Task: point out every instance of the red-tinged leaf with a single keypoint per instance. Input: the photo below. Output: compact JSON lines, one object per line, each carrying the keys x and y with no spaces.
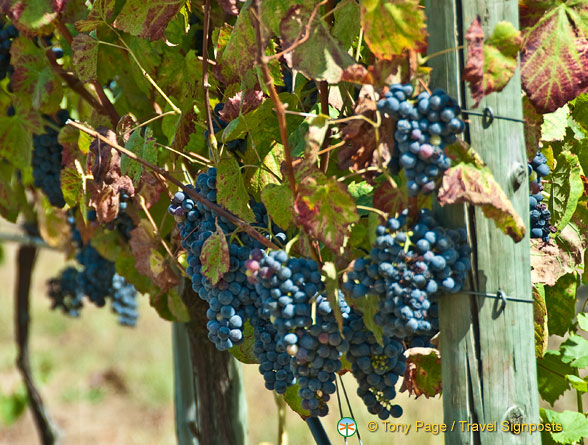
{"x":108,"y":181}
{"x":32,"y":17}
{"x":365,"y":146}
{"x":33,"y":81}
{"x":357,"y":74}
{"x":215,"y":256}
{"x":393,"y":26}
{"x":11,"y":198}
{"x":554,"y":59}
{"x":476,"y":186}
{"x":230,"y":189}
{"x":148,"y":260}
{"x":533,"y":122}
{"x":100,"y":13}
{"x":239,"y":104}
{"x":540,"y":321}
{"x":229,"y":6}
{"x":389,"y":199}
{"x":85,"y":56}
{"x":461,"y":151}
{"x":150,"y":189}
{"x":279,"y":201}
{"x":325,"y":209}
{"x":16,"y":138}
{"x":147,"y":19}
{"x":72,"y":185}
{"x":423,"y":372}
{"x":490,"y":64}
{"x":321,"y":57}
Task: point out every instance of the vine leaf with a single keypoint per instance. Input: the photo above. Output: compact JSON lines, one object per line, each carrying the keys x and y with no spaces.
{"x":390,"y":199}
{"x":347,"y":24}
{"x":554,"y":62}
{"x":366,"y":146}
{"x":34,"y":82}
{"x":321,"y":57}
{"x":490,"y":64}
{"x":142,"y":146}
{"x":244,"y":351}
{"x":476,"y":186}
{"x":532,"y":125}
{"x":575,"y":351}
{"x":215,"y":256}
{"x":279,"y":201}
{"x":315,"y":131}
{"x":566,"y":188}
{"x":583,"y":321}
{"x":241,"y":104}
{"x":52,"y":223}
{"x":324,"y":208}
{"x":32,"y":16}
{"x":10,"y":199}
{"x":393,"y":26}
{"x":230,"y":189}
{"x":148,"y":260}
{"x":551,"y":372}
{"x":101,"y":12}
{"x":368,"y":306}
{"x":16,"y":139}
{"x":294,"y":401}
{"x":540,"y":316}
{"x":72,"y":183}
{"x":574,"y":425}
{"x":147,"y":19}
{"x":555,"y":124}
{"x":560,"y":300}
{"x":423,"y":372}
{"x":85,"y":56}
{"x":274,"y":11}
{"x":332,"y":287}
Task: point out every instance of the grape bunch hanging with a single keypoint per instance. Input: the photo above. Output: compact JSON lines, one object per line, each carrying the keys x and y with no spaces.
{"x":540,"y":215}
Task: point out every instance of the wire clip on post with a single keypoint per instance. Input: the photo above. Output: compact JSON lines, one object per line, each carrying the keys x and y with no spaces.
{"x":499,"y":295}
{"x":488,"y":117}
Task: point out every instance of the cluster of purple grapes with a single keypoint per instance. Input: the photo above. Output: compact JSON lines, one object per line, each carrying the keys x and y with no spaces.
{"x":47,"y":159}
{"x":540,"y":216}
{"x":7,"y":34}
{"x":232,"y":301}
{"x":97,"y":279}
{"x":407,"y":270}
{"x":375,"y":367}
{"x":424,"y":126}
{"x":218,"y":124}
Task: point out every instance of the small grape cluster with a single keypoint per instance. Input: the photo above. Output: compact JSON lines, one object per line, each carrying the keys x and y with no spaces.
{"x":47,"y":159}
{"x":65,"y":292}
{"x":218,"y":124}
{"x":7,"y":34}
{"x":124,"y":301}
{"x":540,"y":215}
{"x":406,"y":270}
{"x":424,"y":126}
{"x":318,"y":357}
{"x":375,"y":367}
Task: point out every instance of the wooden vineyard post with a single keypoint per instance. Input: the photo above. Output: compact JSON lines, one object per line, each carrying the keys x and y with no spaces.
{"x":487,"y":349}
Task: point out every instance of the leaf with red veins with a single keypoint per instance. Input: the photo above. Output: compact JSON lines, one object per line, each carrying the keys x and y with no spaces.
{"x":147,"y":19}
{"x":108,"y":181}
{"x":554,"y":59}
{"x":324,"y":207}
{"x":476,"y":186}
{"x":100,"y":13}
{"x":32,"y":17}
{"x":85,"y":57}
{"x":148,"y":260}
{"x":390,"y":199}
{"x":215,"y":256}
{"x":241,"y":104}
{"x":365,"y":145}
{"x":491,"y":63}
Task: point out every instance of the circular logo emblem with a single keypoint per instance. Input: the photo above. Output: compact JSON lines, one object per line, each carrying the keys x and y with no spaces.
{"x":346,"y":427}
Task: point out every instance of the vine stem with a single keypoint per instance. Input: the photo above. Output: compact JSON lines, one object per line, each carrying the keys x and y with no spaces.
{"x":205,"y":83}
{"x":190,"y":192}
{"x":148,"y":121}
{"x":107,"y":106}
{"x":278,"y":105}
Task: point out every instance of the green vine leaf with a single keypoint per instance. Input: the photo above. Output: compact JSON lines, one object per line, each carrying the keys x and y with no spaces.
{"x":476,"y":186}
{"x":332,"y":287}
{"x":566,"y":188}
{"x":32,"y":16}
{"x":16,"y":138}
{"x":324,"y":208}
{"x":72,"y":182}
{"x":575,"y":351}
{"x":279,"y":201}
{"x":101,"y":12}
{"x":368,"y":306}
{"x":555,"y":124}
{"x":551,"y":372}
{"x":215,"y":256}
{"x":147,"y":19}
{"x":393,"y":26}
{"x":561,"y":304}
{"x":10,"y":199}
{"x":142,"y":146}
{"x":574,"y":425}
{"x":244,"y":351}
{"x":294,"y":401}
{"x":554,"y":68}
{"x":491,"y":63}
{"x":230,"y":189}
{"x":321,"y":57}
